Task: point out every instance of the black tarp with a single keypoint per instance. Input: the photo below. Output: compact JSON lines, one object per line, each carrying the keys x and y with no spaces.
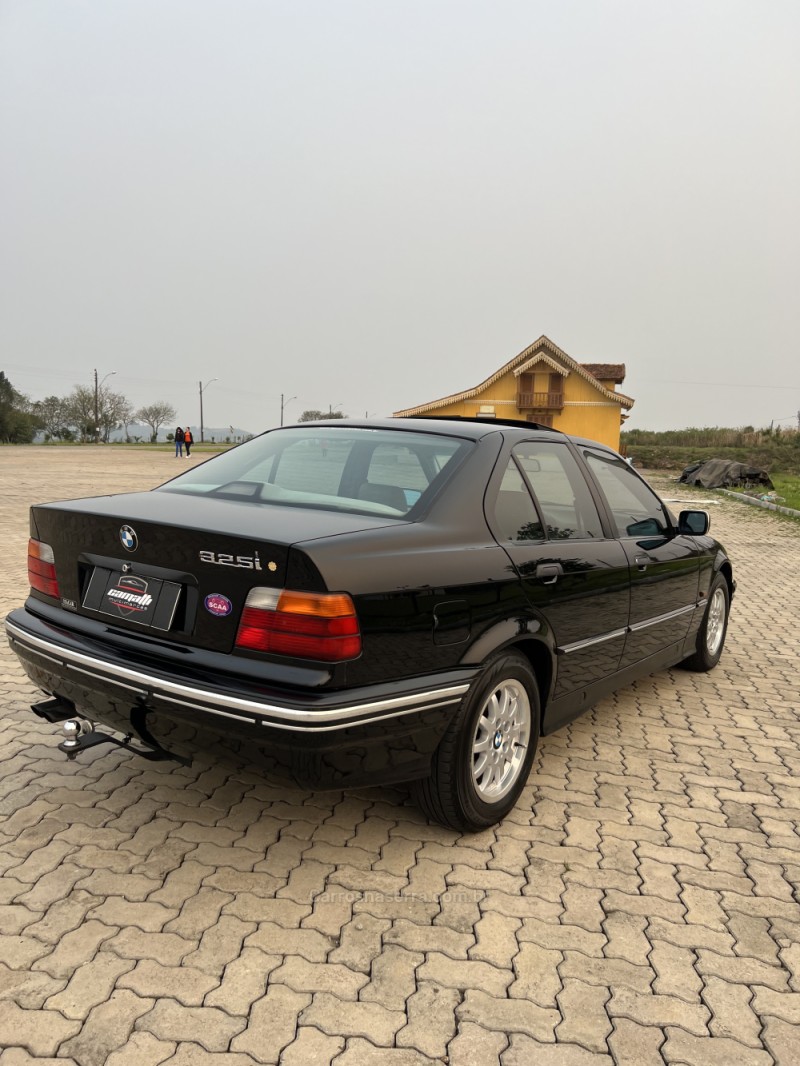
{"x":722,"y":473}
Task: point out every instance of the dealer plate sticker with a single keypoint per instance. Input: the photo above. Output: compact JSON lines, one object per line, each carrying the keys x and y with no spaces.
{"x":146,"y":601}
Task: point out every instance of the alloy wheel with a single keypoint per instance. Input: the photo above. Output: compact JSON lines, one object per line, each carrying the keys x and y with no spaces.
{"x":501,"y":739}
{"x":715,"y":625}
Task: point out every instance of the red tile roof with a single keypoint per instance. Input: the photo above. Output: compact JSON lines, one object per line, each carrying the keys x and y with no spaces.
{"x":606,"y":371}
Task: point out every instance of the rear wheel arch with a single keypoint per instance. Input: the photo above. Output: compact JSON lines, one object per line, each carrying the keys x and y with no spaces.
{"x":541,"y":659}
{"x":538,"y":650}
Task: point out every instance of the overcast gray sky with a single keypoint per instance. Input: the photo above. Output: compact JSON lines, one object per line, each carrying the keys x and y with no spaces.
{"x":373,"y":204}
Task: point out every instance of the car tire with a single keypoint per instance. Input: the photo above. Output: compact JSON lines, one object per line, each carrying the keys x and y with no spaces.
{"x":483,"y":760}
{"x":711,"y":635}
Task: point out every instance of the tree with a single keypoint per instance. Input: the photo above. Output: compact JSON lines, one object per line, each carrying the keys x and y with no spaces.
{"x":18,"y":424}
{"x":113,"y":411}
{"x":111,"y":407}
{"x":155,"y":415}
{"x":126,"y":415}
{"x":317,"y":416}
{"x":53,"y":415}
{"x":80,"y":411}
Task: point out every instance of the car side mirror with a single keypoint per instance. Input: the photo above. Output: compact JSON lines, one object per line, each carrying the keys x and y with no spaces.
{"x":695,"y":523}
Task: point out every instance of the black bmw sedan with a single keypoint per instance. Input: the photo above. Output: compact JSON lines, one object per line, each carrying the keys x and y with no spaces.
{"x":404,"y":600}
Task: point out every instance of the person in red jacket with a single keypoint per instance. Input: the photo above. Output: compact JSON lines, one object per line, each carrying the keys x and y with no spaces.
{"x":188,"y":440}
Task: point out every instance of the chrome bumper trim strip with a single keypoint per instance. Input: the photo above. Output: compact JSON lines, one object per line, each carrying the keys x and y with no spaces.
{"x":313,"y":727}
{"x":249,"y":710}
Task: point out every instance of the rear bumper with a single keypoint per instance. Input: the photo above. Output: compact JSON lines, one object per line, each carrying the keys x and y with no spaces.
{"x":374,"y":734}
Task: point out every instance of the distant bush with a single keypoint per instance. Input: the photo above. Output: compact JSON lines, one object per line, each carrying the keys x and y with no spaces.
{"x":769,"y":449}
{"x":712,"y":437}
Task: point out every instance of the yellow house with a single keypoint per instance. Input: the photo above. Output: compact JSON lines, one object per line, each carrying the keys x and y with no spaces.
{"x":545,"y":385}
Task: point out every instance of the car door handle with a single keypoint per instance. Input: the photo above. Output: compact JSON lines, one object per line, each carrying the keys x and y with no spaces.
{"x":642,"y":561}
{"x":549,"y":573}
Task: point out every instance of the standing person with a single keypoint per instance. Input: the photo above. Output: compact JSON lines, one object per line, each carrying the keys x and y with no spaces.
{"x":179,"y":439}
{"x":188,"y":440}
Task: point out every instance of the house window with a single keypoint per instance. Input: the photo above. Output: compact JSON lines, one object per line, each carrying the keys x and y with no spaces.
{"x":544,"y":418}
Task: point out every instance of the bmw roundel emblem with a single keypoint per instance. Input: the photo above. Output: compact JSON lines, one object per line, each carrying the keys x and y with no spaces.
{"x":128,"y":539}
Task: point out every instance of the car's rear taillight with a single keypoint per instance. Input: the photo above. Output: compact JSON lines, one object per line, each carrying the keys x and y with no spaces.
{"x":41,"y":568}
{"x":302,"y":624}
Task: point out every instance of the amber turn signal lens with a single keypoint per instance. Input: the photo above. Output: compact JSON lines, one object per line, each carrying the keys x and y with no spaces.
{"x":304,"y":625}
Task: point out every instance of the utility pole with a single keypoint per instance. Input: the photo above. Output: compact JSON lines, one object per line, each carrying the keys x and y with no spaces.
{"x":97,"y":388}
{"x":202,"y":387}
{"x":284,"y":404}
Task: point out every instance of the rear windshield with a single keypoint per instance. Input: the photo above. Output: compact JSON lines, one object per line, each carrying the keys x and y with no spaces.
{"x":365,"y":471}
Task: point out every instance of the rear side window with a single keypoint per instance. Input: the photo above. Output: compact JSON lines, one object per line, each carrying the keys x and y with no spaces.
{"x":401,"y":468}
{"x":635,"y":508}
{"x":515,"y":513}
{"x":562,"y":494}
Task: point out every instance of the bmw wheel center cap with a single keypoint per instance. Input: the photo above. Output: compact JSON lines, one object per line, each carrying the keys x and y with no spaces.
{"x":128,"y":539}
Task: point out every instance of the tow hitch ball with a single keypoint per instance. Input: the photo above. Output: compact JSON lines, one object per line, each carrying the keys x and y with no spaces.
{"x":80,"y":734}
{"x":71,"y":729}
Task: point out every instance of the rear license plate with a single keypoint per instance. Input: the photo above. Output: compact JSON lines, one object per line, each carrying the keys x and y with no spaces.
{"x":147,"y":601}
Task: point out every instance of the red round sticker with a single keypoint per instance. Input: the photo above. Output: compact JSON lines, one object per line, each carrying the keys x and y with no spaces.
{"x":218,"y":605}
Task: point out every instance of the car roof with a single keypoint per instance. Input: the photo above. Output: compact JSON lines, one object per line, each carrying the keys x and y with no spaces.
{"x":463,"y":426}
{"x":472,"y":427}
{"x":525,"y":427}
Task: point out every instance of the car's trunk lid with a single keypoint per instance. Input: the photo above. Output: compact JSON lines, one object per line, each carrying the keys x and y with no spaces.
{"x":178,"y":566}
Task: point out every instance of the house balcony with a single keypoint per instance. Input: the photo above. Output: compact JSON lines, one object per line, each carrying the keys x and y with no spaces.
{"x":540,"y":401}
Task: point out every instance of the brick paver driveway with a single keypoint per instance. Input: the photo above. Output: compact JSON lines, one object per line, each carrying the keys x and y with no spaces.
{"x":639,"y":906}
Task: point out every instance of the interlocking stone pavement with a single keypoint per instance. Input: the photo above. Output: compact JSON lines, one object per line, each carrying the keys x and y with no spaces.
{"x":639,"y":906}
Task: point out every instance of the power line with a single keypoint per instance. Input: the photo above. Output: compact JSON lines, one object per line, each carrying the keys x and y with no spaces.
{"x":28,"y":377}
{"x":171,"y":383}
{"x":715,"y":384}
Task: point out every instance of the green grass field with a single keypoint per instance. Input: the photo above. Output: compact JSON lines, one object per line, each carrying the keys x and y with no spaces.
{"x":788,"y":486}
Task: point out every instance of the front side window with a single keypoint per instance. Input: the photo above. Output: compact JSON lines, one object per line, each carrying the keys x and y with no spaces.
{"x":635,"y":508}
{"x":384,"y":472}
{"x":562,"y":494}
